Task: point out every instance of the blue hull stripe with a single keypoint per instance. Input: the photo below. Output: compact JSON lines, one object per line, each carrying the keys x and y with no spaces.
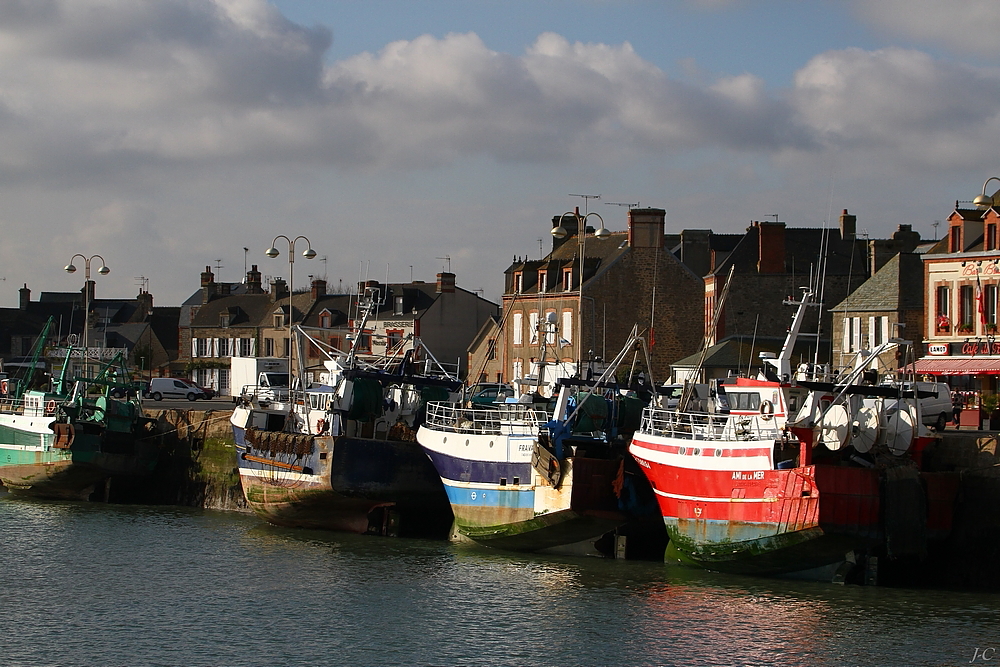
{"x":462,"y":496}
{"x":479,"y":472}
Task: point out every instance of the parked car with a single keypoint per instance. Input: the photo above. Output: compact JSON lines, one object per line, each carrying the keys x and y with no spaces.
{"x":160,"y":388}
{"x":936,"y":409}
{"x":488,"y":393}
{"x":208,"y":391}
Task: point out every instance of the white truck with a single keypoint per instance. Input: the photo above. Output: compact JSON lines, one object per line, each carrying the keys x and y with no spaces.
{"x":266,"y":378}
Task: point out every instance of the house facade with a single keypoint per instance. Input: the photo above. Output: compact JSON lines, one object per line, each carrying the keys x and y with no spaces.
{"x":960,"y":297}
{"x":576,"y":307}
{"x":226,"y":321}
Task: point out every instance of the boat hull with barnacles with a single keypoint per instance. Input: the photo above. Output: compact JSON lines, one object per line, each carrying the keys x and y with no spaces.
{"x":343,"y":483}
{"x":342,"y":454}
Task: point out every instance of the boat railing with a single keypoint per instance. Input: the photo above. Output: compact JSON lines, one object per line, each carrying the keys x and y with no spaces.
{"x":707,"y":426}
{"x":503,"y":419}
{"x":11,"y":406}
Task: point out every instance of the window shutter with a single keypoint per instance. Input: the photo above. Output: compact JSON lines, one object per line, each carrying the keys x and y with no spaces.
{"x":253,"y":347}
{"x":194,"y":347}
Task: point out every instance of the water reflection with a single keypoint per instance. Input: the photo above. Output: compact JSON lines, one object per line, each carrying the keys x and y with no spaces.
{"x":142,"y":585}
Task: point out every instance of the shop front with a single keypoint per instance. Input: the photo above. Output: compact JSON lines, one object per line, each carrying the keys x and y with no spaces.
{"x":972,"y":369}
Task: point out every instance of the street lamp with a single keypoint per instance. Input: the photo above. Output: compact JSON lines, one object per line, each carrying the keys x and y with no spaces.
{"x":104,"y":270}
{"x":984,"y":200}
{"x":308,"y":253}
{"x":561,"y":232}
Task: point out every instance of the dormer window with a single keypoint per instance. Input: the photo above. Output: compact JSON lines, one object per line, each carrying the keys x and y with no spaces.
{"x":956,"y":239}
{"x":542,"y":281}
{"x":518,"y":282}
{"x":567,"y":279}
{"x":224,"y":320}
{"x":397,"y":306}
{"x":325,"y":319}
{"x":280,"y":318}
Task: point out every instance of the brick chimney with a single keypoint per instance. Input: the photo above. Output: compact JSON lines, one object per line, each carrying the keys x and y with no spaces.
{"x":445,"y":283}
{"x":567,"y":222}
{"x":771,"y":247}
{"x":253,"y":281}
{"x":145,"y":305}
{"x":279,"y":289}
{"x":207,"y":284}
{"x":24,"y":297}
{"x":318,"y":288}
{"x":848,"y":226}
{"x":645,"y":227}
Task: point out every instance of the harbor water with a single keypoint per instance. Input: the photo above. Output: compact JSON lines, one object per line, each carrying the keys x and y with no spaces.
{"x":92,"y":584}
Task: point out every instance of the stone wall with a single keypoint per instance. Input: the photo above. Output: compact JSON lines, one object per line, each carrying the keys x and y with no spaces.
{"x":196,"y":467}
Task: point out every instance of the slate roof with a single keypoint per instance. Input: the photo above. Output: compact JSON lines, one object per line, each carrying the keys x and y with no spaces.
{"x":898,"y":285}
{"x":600,"y":253}
{"x":802,"y":246}
{"x":736,"y":353}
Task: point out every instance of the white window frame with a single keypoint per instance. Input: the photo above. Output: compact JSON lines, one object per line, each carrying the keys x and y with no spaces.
{"x":567,"y":327}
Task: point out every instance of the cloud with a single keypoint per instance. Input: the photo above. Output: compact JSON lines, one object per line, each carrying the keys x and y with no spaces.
{"x":966,"y":26}
{"x":898,"y":101}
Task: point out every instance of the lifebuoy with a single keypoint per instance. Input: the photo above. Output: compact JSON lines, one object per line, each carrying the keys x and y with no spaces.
{"x":50,"y":407}
{"x":320,"y":426}
{"x":3,"y":386}
{"x":766,"y":410}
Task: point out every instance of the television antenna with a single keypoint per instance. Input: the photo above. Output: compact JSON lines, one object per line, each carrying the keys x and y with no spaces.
{"x":618,"y":203}
{"x":446,"y":258}
{"x":586,"y":201}
{"x":142,"y":282}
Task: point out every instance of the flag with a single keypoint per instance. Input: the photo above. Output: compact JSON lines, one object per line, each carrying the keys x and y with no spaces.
{"x":980,"y":301}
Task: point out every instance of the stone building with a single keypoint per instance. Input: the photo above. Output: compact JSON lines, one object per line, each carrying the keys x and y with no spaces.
{"x":146,"y":334}
{"x":241,"y":320}
{"x":889,"y":304}
{"x":629,"y":279}
{"x":771,"y":263}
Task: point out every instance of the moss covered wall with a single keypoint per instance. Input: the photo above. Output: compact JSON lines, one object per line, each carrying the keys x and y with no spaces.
{"x":196,"y":467}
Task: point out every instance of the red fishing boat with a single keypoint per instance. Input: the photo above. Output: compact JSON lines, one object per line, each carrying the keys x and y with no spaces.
{"x":784,"y":473}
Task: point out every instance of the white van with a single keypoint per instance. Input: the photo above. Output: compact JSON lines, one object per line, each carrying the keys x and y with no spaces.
{"x":160,"y":388}
{"x":936,"y":409}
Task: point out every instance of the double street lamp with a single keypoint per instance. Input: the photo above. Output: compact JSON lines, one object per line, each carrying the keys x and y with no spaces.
{"x":104,"y":270}
{"x":561,"y":232}
{"x":984,"y":200}
{"x":308,"y":253}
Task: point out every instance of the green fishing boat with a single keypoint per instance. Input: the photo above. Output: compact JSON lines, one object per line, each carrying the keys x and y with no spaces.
{"x":68,"y":439}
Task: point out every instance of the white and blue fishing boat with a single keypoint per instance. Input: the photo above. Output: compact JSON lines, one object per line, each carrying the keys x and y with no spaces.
{"x":548,"y":476}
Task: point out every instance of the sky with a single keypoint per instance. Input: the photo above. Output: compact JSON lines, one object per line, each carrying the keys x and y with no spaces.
{"x":405,"y":138}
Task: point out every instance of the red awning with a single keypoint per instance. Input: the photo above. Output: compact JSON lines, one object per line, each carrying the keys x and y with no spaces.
{"x":957,"y":366}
